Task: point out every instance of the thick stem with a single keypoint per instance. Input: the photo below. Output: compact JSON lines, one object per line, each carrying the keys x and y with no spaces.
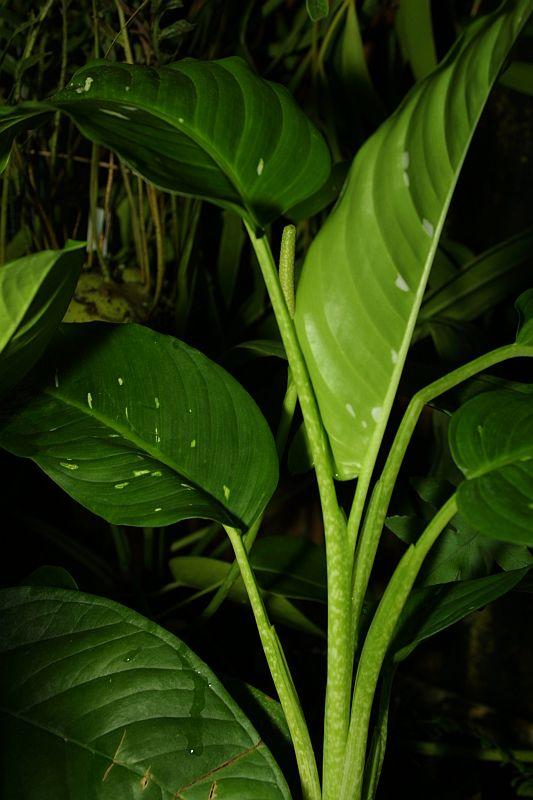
{"x":340,"y":651}
{"x":377,"y":643}
{"x":382,"y":493}
{"x":280,"y":675}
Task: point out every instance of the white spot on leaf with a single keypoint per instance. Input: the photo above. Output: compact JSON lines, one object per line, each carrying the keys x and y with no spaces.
{"x":193,"y":443}
{"x":121,"y":485}
{"x":158,"y":509}
{"x":394,"y":356}
{"x":138,"y":472}
{"x":227,"y":491}
{"x":260,"y":166}
{"x":120,"y":381}
{"x":113,"y":113}
{"x":401,"y":284}
{"x":377,"y":413}
{"x":405,"y":159}
{"x":156,"y":474}
{"x":89,"y":400}
{"x":156,"y":401}
{"x":428,"y":227}
{"x":68,"y":466}
{"x":349,"y":409}
{"x":406,"y":178}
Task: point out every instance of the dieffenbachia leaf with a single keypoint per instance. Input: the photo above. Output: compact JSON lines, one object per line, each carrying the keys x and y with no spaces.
{"x":524,"y":306}
{"x":34,"y":294}
{"x":143,"y":430}
{"x":435,"y":608}
{"x":317,"y":9}
{"x":210,"y":129}
{"x":98,"y":703}
{"x":491,"y":439}
{"x":365,"y":274}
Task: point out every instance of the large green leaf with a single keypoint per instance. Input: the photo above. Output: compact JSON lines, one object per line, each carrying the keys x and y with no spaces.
{"x":435,"y":608}
{"x":210,"y":129}
{"x":98,"y":703}
{"x":34,"y":294}
{"x":365,"y":273}
{"x":491,"y":439}
{"x":143,"y":430}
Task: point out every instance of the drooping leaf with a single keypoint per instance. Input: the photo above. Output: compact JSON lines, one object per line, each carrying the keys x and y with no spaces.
{"x":210,"y":129}
{"x":98,"y":703}
{"x":34,"y":294}
{"x":366,"y":271}
{"x":200,"y":572}
{"x":482,"y":283}
{"x":144,"y":430}
{"x":524,"y":306}
{"x":491,"y":439}
{"x":433,"y":609}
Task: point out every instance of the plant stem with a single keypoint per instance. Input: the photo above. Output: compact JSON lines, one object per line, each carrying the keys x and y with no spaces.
{"x":287,"y":414}
{"x":376,"y":644}
{"x":382,"y":493}
{"x":340,"y":651}
{"x":280,"y":675}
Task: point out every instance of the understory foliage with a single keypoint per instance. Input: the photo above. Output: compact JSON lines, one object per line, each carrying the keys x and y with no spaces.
{"x":266,"y":322}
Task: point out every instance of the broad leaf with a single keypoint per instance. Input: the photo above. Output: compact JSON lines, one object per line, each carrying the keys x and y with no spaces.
{"x":98,"y":703}
{"x":433,"y":609}
{"x":415,"y":33}
{"x":144,"y":430}
{"x":317,"y":9}
{"x":34,"y":294}
{"x":365,"y":273}
{"x":491,"y":439}
{"x":210,"y":129}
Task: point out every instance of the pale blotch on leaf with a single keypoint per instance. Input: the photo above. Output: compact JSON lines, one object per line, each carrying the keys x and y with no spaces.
{"x":401,"y":284}
{"x":68,"y":466}
{"x":350,"y":410}
{"x":394,"y":356}
{"x":227,"y":491}
{"x":377,"y":413}
{"x":89,"y":400}
{"x":428,"y":227}
{"x":193,"y":443}
{"x":121,"y":485}
{"x":120,"y":381}
{"x":260,"y":166}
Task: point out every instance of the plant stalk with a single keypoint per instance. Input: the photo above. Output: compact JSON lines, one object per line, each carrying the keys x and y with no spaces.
{"x":382,"y":493}
{"x":377,"y":643}
{"x":281,"y":676}
{"x":339,"y":650}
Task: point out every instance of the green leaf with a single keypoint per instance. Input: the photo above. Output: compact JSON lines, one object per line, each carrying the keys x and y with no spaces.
{"x":290,"y":566}
{"x":34,"y":294}
{"x":51,"y":576}
{"x":483,"y":282}
{"x":524,"y":306}
{"x":519,"y":76}
{"x":98,"y":703}
{"x":491,"y":439}
{"x":433,"y":609}
{"x":210,"y":129}
{"x":202,"y":573}
{"x":144,"y":430}
{"x":317,"y":9}
{"x":415,"y":32}
{"x":366,"y":271}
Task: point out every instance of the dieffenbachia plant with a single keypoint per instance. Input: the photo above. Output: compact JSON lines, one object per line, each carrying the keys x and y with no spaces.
{"x":143,"y":430}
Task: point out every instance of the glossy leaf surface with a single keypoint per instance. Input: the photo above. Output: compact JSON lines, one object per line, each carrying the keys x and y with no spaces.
{"x":98,"y":703}
{"x":366,"y":271}
{"x":210,"y":129}
{"x":34,"y":294}
{"x":491,"y":439}
{"x":144,"y":430}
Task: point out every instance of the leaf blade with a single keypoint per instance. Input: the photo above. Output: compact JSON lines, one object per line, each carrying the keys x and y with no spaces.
{"x":365,"y":273}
